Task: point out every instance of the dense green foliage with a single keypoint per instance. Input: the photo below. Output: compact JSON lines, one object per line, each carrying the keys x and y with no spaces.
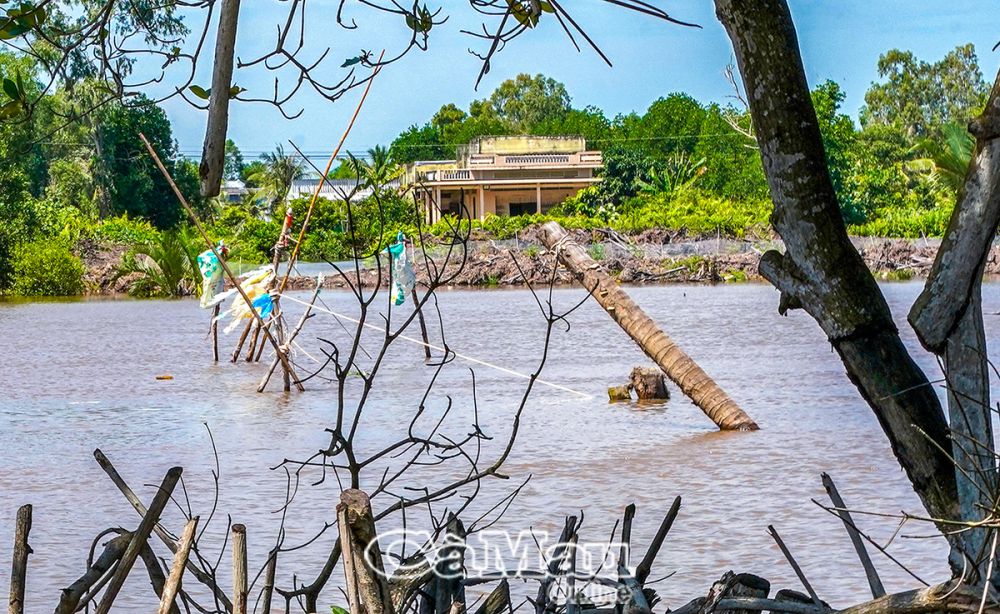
{"x":47,"y":268}
{"x":681,"y":165}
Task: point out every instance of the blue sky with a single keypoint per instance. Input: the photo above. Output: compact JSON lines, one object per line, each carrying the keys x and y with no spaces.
{"x":840,"y":40}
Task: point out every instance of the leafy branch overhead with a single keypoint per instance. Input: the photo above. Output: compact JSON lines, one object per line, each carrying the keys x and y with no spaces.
{"x":112,"y":42}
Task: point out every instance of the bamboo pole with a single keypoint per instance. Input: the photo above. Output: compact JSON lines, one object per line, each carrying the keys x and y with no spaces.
{"x":326,"y":173}
{"x":139,"y":538}
{"x":243,"y":339}
{"x":173,"y":583}
{"x":676,"y":364}
{"x":239,"y":569}
{"x":19,"y":567}
{"x":265,"y":597}
{"x":215,"y":333}
{"x":225,"y":267}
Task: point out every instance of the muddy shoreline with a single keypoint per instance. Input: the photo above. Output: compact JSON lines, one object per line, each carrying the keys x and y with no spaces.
{"x":653,"y":257}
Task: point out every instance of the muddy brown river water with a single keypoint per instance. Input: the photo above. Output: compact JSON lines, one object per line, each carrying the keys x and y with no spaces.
{"x":81,"y":375}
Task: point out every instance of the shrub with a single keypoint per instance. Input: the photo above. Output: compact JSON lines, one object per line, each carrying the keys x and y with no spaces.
{"x":47,"y":268}
{"x":123,"y":230}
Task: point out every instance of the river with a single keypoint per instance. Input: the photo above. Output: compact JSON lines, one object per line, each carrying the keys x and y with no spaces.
{"x":81,"y":375}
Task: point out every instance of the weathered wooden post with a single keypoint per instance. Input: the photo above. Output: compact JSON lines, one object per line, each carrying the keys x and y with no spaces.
{"x":367,"y":588}
{"x":678,"y":366}
{"x":19,"y":569}
{"x":239,"y":569}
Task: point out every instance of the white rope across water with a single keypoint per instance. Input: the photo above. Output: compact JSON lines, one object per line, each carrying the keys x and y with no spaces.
{"x":441,"y":349}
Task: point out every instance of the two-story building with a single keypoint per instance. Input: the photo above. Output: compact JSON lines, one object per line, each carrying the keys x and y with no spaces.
{"x":504,"y":175}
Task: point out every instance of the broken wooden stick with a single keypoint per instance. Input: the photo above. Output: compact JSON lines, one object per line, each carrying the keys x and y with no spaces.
{"x":167,"y":539}
{"x":139,"y":538}
{"x":19,"y":568}
{"x":173,"y":583}
{"x":845,"y":516}
{"x":795,"y":566}
{"x":646,"y":565}
{"x":677,"y":365}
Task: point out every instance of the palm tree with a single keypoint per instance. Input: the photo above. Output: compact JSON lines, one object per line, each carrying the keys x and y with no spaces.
{"x":947,"y":160}
{"x":166,"y":266}
{"x":380,"y":170}
{"x":276,"y":177}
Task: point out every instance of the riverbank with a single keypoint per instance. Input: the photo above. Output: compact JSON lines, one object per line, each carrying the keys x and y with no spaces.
{"x":652,"y":257}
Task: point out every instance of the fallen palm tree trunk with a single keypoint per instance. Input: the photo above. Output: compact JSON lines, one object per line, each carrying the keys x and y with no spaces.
{"x":677,"y":365}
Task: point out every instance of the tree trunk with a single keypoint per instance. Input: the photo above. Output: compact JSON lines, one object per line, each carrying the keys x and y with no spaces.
{"x":213,"y":156}
{"x":821,"y":271}
{"x":948,"y":319}
{"x":678,"y":366}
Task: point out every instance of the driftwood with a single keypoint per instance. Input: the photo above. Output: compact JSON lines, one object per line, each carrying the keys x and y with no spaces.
{"x":677,"y":365}
{"x":498,"y":601}
{"x":19,"y":567}
{"x":445,"y":587}
{"x":138,"y":540}
{"x":619,"y":393}
{"x":649,"y":384}
{"x":73,"y":595}
{"x":159,"y":531}
{"x":173,"y":583}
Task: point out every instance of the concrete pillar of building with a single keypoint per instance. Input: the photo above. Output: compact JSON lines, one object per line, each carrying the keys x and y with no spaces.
{"x":538,"y":198}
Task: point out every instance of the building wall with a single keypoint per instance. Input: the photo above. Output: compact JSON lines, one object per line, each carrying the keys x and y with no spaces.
{"x":527,"y":144}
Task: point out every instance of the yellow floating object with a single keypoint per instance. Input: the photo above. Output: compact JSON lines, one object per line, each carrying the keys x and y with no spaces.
{"x":164,"y":377}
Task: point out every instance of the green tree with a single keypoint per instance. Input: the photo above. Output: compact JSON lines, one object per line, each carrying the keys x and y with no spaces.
{"x":234,"y":161}
{"x":838,"y":134}
{"x":733,"y":166}
{"x":671,"y":125}
{"x":526,"y":101}
{"x":918,"y":97}
{"x":136,"y":187}
{"x":420,"y":143}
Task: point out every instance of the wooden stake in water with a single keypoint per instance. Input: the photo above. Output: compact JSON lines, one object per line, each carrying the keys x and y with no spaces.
{"x":19,"y":569}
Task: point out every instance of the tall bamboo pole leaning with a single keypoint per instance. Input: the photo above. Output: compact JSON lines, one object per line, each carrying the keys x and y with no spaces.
{"x":677,"y":365}
{"x":19,"y":568}
{"x":278,"y":350}
{"x":326,"y":173}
